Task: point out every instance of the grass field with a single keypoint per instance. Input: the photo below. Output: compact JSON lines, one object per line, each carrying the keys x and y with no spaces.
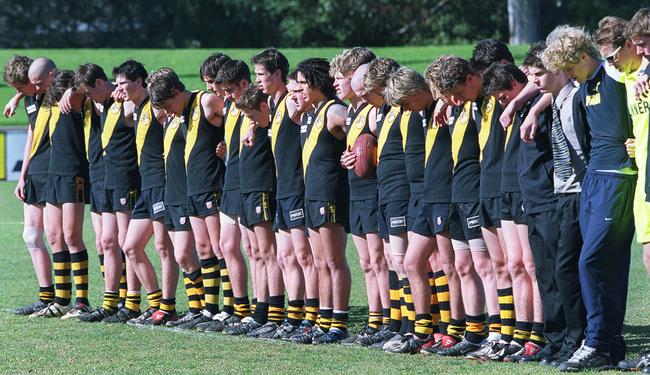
{"x":55,"y":346}
{"x":186,"y":62}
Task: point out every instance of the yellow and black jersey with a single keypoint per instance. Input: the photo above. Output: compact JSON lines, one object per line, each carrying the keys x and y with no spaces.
{"x":149,"y":136}
{"x":205,"y":171}
{"x":438,"y":165}
{"x":536,"y":168}
{"x":174,"y":152}
{"x":93,"y":142}
{"x":256,"y":165}
{"x":286,"y":145}
{"x":392,"y":179}
{"x":325,"y":178}
{"x":357,"y":124}
{"x":413,"y":135}
{"x":67,"y":151}
{"x":492,"y":140}
{"x":511,"y":157}
{"x":118,"y":143}
{"x":465,"y":151}
{"x":39,"y":155}
{"x":233,"y":118}
{"x":306,"y":120}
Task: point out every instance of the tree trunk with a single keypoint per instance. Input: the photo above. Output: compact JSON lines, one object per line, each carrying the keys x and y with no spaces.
{"x":524,"y":21}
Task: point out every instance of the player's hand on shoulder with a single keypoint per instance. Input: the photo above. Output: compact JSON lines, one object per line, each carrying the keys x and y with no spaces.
{"x":507,"y":115}
{"x":642,"y":86}
{"x":65,"y":104}
{"x":441,"y":113}
{"x":249,"y":138}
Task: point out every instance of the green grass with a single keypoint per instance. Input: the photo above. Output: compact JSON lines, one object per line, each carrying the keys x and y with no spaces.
{"x":186,"y":62}
{"x":55,"y":346}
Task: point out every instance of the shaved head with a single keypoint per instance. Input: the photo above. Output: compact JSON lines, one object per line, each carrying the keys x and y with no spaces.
{"x":41,"y":72}
{"x":358,"y":77}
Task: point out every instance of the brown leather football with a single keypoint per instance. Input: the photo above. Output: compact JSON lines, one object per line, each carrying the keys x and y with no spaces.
{"x":365,"y":149}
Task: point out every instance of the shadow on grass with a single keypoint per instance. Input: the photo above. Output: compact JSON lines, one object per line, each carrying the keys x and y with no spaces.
{"x":637,"y":337}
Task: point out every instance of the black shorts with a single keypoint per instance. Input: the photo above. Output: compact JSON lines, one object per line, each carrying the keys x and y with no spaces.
{"x":290,"y":212}
{"x":319,"y":212}
{"x":490,"y":214}
{"x":150,"y":204}
{"x":231,"y":202}
{"x":176,"y":218}
{"x":512,"y":207}
{"x":363,"y":217}
{"x":97,"y":197}
{"x":415,"y":204}
{"x":432,"y":219}
{"x":204,"y":204}
{"x":393,"y":218}
{"x":257,"y":207}
{"x":36,"y":189}
{"x":464,"y":222}
{"x":67,"y":189}
{"x":117,"y":200}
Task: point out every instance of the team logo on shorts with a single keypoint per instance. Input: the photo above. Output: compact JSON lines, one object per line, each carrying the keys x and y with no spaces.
{"x":158,"y":207}
{"x":195,"y":114}
{"x":258,"y":210}
{"x":182,"y":220}
{"x":145,"y":119}
{"x":115,"y":108}
{"x":398,"y":222}
{"x":123,"y":201}
{"x":359,"y":122}
{"x":473,"y":222}
{"x":296,"y":214}
{"x":319,"y":123}
{"x":322,"y":210}
{"x":208,"y":205}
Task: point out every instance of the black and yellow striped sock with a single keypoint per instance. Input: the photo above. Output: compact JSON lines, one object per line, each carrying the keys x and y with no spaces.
{"x":295,"y":312}
{"x":226,"y":287}
{"x":537,"y":334}
{"x":494,"y":324}
{"x":211,"y":282}
{"x":423,"y":326}
{"x":507,"y":313}
{"x":374,"y":319}
{"x":253,"y":304}
{"x":385,"y":319}
{"x":242,"y":307}
{"x":261,"y":313}
{"x":101,"y":264}
{"x":154,"y":299}
{"x":193,"y":296}
{"x":340,"y":320}
{"x":123,"y":283}
{"x":168,"y":305}
{"x":133,"y":300}
{"x":522,"y":332}
{"x":276,"y":309}
{"x":442,"y":293}
{"x":456,"y":328}
{"x":79,"y":264}
{"x":434,"y":306}
{"x":325,"y":318}
{"x":62,"y":280}
{"x":395,"y":306}
{"x":475,"y":331}
{"x":110,"y":301}
{"x":408,"y":310}
{"x":46,"y":294}
{"x":311,"y":310}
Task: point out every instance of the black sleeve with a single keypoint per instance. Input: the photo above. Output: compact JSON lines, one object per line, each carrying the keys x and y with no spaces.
{"x":581,"y":125}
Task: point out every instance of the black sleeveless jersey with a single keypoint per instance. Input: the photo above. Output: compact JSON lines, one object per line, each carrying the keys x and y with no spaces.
{"x":39,"y":155}
{"x":465,"y":152}
{"x":306,"y":120}
{"x":93,"y":136}
{"x":174,"y":151}
{"x":286,"y":146}
{"x":120,"y":154}
{"x":510,"y":165}
{"x":392,"y":179}
{"x":67,"y":152}
{"x":413,"y":134}
{"x":357,"y":124}
{"x":438,"y":165}
{"x":325,"y":178}
{"x":492,"y":140}
{"x":233,"y":118}
{"x":149,"y":135}
{"x":256,"y":166}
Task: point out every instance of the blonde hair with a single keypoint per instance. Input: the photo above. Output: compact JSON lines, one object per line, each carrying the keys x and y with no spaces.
{"x":379,"y":70}
{"x":639,"y":24}
{"x":402,"y":84}
{"x":334,"y":65}
{"x":350,"y":59}
{"x":564,"y":45}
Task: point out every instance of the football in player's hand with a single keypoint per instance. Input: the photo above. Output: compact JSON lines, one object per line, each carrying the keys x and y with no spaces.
{"x":365,"y":149}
